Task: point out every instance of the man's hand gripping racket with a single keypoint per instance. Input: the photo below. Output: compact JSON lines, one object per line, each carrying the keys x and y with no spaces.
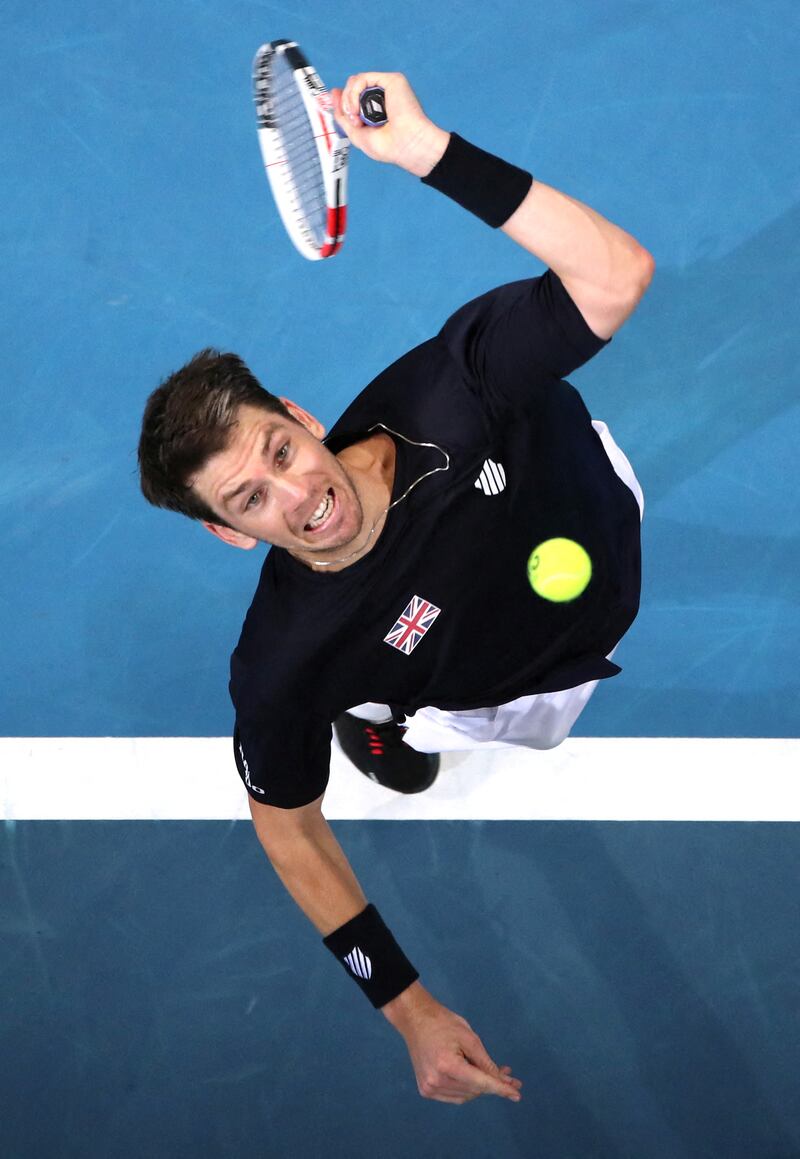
{"x":305,"y":132}
{"x":407,"y":138}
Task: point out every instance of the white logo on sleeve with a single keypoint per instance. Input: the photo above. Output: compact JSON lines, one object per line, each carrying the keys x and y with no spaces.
{"x":492,"y":479}
{"x":246,"y":768}
{"x":359,"y":964}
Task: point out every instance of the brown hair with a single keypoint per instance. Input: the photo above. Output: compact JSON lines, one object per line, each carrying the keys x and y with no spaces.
{"x":187,"y":419}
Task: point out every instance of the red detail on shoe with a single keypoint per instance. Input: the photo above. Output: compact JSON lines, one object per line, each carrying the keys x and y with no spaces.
{"x":375,"y":742}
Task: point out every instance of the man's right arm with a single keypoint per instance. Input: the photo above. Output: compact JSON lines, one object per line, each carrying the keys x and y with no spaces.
{"x":450,"y":1062}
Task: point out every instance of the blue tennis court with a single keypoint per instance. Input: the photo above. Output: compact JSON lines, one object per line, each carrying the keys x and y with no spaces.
{"x":617,"y":918}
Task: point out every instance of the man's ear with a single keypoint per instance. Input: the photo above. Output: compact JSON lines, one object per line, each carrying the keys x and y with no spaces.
{"x":308,"y":421}
{"x":228,"y":535}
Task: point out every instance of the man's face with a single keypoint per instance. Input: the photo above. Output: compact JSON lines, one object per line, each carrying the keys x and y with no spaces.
{"x":276,"y":482}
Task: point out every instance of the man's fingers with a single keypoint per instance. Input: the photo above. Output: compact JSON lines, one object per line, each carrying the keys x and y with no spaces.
{"x":355,"y":85}
{"x":462,"y":1081}
{"x":350,"y":124}
{"x":505,"y":1074}
{"x":481,"y":1061}
{"x":351,"y":95}
{"x":475,"y":1080}
{"x":445,"y":1090}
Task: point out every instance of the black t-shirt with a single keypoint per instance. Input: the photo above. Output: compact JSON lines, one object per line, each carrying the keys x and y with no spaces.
{"x":440,"y":612}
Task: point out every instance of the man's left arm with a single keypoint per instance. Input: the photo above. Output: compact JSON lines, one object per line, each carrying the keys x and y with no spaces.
{"x":604,"y":269}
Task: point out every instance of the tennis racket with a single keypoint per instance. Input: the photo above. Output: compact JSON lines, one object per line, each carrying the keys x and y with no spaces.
{"x":305,"y":153}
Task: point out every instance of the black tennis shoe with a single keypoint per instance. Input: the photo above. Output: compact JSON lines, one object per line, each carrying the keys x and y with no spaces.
{"x":377,"y":750}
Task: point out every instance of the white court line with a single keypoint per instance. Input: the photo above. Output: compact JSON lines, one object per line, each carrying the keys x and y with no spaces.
{"x":602,"y":779}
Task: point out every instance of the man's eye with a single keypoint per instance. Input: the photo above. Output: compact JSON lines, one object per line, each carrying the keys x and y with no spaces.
{"x":252,"y":501}
{"x":282,"y":453}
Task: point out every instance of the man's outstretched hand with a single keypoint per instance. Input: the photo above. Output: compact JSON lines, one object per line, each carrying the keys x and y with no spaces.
{"x":450,"y":1061}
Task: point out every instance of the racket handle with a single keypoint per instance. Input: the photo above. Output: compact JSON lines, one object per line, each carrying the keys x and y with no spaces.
{"x":372,"y":107}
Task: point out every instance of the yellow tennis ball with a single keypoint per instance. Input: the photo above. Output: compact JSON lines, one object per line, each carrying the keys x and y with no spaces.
{"x":559,"y":570}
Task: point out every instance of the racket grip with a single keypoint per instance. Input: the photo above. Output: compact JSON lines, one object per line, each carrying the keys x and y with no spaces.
{"x":372,"y":107}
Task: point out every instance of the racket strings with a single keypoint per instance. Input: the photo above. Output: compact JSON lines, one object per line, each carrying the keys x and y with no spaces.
{"x":301,"y":173}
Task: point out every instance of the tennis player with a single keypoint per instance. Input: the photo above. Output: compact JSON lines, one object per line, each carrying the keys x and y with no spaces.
{"x":394,"y":604}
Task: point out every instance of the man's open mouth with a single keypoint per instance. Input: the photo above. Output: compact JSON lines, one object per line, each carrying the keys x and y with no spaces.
{"x":323,"y":513}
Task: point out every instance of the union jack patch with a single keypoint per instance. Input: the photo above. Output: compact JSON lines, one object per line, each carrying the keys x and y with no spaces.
{"x":414,"y":623}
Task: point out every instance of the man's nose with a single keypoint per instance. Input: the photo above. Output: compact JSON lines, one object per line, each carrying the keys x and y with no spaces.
{"x":291,"y":492}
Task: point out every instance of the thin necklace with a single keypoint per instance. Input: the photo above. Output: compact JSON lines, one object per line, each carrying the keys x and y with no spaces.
{"x":435,"y":471}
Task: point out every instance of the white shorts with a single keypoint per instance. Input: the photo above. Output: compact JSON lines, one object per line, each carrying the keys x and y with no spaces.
{"x":538,"y":722}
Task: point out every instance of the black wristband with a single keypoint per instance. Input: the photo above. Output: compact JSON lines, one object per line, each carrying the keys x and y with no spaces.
{"x":480,"y":182}
{"x":372,"y":957}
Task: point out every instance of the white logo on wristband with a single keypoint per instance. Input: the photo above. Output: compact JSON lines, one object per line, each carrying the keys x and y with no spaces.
{"x":359,"y":964}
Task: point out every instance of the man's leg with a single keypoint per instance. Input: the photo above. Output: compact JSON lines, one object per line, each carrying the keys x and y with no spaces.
{"x":541,"y":721}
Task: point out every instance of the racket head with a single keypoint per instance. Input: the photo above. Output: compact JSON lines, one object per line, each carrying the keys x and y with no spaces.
{"x":305,"y":154}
